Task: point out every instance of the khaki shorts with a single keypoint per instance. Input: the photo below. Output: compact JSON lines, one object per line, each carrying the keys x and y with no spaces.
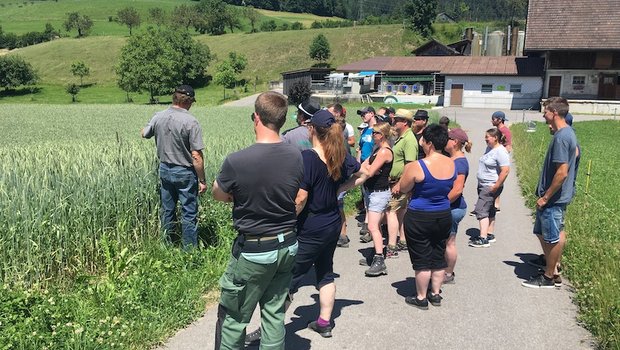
{"x":398,"y":202}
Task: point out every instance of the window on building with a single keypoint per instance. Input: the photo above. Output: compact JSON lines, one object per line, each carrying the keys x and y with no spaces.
{"x":579,"y":80}
{"x":515,"y":88}
{"x":487,"y":88}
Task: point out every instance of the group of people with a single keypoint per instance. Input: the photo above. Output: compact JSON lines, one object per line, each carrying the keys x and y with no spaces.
{"x":289,"y":214}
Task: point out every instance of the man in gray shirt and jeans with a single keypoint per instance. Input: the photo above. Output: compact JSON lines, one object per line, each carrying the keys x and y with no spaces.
{"x":178,"y":138}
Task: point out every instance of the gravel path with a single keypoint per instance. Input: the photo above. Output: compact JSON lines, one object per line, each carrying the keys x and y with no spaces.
{"x":487,"y":308}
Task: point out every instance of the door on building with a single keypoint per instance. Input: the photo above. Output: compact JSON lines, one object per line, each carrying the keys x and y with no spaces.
{"x":607,"y":86}
{"x":456,"y":95}
{"x":555,"y":84}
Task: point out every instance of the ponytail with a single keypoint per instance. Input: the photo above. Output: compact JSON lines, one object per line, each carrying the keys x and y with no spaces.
{"x":332,"y":139}
{"x":468,"y":145}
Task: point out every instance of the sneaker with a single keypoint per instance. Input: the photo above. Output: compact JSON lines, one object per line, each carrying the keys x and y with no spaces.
{"x":472,"y":213}
{"x":253,"y":338}
{"x":325,"y":332}
{"x":449,"y":279}
{"x":539,"y":281}
{"x":497,"y":209}
{"x":377,"y":268}
{"x":343,"y":242}
{"x":402,"y":245}
{"x":364,"y":229}
{"x":479,"y":242}
{"x":557,"y":281}
{"x":366,"y":238}
{"x":391,"y":252}
{"x":414,"y":301}
{"x":434,"y":299}
{"x":360,"y":224}
{"x":539,"y":261}
{"x":491,"y":238}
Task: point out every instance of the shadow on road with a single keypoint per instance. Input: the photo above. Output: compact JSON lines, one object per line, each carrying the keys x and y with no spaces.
{"x":405,"y":288}
{"x":522,"y":269}
{"x":473,"y":232}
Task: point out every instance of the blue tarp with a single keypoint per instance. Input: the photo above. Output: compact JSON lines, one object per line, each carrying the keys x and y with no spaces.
{"x":369,"y":72}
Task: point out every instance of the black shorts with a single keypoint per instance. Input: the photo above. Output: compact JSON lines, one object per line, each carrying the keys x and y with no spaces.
{"x":426,"y":234}
{"x":318,"y":251}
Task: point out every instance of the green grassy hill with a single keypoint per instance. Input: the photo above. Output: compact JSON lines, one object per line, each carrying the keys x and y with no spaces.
{"x":268,"y":55}
{"x":24,"y":16}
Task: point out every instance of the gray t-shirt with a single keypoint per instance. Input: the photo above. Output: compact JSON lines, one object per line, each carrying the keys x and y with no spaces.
{"x":562,"y":149}
{"x":263,"y":180}
{"x":490,"y":163}
{"x":298,"y":137}
{"x":177,"y":133}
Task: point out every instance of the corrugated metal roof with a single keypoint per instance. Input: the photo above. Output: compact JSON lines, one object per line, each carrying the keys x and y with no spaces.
{"x":573,"y":25}
{"x":451,"y":65}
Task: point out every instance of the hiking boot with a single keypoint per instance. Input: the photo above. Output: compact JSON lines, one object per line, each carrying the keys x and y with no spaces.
{"x":434,"y":299}
{"x":343,"y":242}
{"x":253,"y":338}
{"x":364,"y":229}
{"x":391,"y":252}
{"x":491,"y":238}
{"x":325,"y":332}
{"x":377,"y":268}
{"x":414,"y":301}
{"x":401,"y":245}
{"x":366,"y":238}
{"x":479,"y":242}
{"x":449,"y":279}
{"x":540,"y":281}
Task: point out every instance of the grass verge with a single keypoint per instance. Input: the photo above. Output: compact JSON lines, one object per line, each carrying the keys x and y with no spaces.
{"x":592,"y":254}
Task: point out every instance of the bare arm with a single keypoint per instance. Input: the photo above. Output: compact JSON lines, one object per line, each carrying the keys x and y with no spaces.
{"x":300,"y":200}
{"x":355,"y":180}
{"x":383,"y":156}
{"x":351,"y":141}
{"x":407,"y":179}
{"x":457,"y":188}
{"x":561,"y":173}
{"x":199,"y":166}
{"x":220,"y":195}
{"x":504,"y":170}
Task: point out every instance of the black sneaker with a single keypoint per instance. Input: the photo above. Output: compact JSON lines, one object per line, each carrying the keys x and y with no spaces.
{"x":325,"y":332}
{"x":434,"y":299}
{"x":377,"y":268}
{"x":479,"y":242}
{"x":491,"y":238}
{"x":343,"y":242}
{"x":540,"y":281}
{"x":557,"y":281}
{"x":252,"y":339}
{"x":539,"y":261}
{"x":414,"y":301}
{"x":402,"y":245}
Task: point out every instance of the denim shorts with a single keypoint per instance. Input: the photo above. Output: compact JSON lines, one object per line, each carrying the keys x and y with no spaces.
{"x":457,"y":215}
{"x":550,"y":222}
{"x":378,"y":201}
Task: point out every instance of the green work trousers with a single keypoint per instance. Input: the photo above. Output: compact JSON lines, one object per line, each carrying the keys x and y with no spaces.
{"x":245,"y":284}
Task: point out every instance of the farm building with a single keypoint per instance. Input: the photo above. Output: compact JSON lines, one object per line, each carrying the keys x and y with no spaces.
{"x":582,"y":64}
{"x":313,"y":77}
{"x":474,"y":82}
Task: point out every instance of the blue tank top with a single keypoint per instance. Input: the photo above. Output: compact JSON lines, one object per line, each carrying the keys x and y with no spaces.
{"x":431,"y":194}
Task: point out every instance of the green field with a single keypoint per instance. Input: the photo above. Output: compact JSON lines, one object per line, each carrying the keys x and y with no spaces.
{"x":592,"y":256}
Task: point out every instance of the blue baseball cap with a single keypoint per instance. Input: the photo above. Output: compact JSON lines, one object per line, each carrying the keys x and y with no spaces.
{"x":322,"y":118}
{"x":569,"y":119}
{"x":499,"y":115}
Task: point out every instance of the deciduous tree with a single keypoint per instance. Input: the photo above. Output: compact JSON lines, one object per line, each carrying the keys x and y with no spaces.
{"x":73,"y":90}
{"x":225,"y":76}
{"x":421,"y":14}
{"x":15,"y":71}
{"x":319,"y":48}
{"x":130,"y":17}
{"x":82,"y":23}
{"x":157,"y":16}
{"x":80,"y":69}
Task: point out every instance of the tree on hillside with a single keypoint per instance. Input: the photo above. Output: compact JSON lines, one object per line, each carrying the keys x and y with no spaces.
{"x":237,"y":61}
{"x":252,"y":15}
{"x":421,"y":14}
{"x":232,"y":18}
{"x":211,"y":17}
{"x":80,"y":69}
{"x":183,"y":16}
{"x":82,"y":23}
{"x":157,"y":16}
{"x":73,"y":90}
{"x":14,"y":72}
{"x":319,"y":48}
{"x":159,"y":59}
{"x":225,"y":76}
{"x":130,"y":17}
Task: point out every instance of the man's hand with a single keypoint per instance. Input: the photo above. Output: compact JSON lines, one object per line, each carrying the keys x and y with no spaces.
{"x":541,"y":202}
{"x":492,"y":189}
{"x":396,"y":189}
{"x":202,"y":187}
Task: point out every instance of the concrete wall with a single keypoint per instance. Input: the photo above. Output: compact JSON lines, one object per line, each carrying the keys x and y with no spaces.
{"x":588,"y":91}
{"x":500,"y":97}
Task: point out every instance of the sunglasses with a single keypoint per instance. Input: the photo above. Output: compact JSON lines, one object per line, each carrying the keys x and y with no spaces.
{"x":377,"y":132}
{"x":252,"y":116}
{"x":419,"y":118}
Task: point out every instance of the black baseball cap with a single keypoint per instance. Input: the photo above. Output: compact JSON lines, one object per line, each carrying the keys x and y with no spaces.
{"x":420,"y":114}
{"x":365,"y":110}
{"x":186,"y":90}
{"x":308,"y":108}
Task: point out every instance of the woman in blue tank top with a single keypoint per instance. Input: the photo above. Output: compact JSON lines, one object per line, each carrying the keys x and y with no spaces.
{"x":428,"y":219}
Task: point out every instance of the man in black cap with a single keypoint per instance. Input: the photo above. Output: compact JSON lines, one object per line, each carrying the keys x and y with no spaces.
{"x":420,"y":119}
{"x":178,"y":138}
{"x":299,"y":135}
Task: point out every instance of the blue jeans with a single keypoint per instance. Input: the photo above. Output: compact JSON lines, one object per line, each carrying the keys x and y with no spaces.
{"x":179,"y":184}
{"x":457,"y":215}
